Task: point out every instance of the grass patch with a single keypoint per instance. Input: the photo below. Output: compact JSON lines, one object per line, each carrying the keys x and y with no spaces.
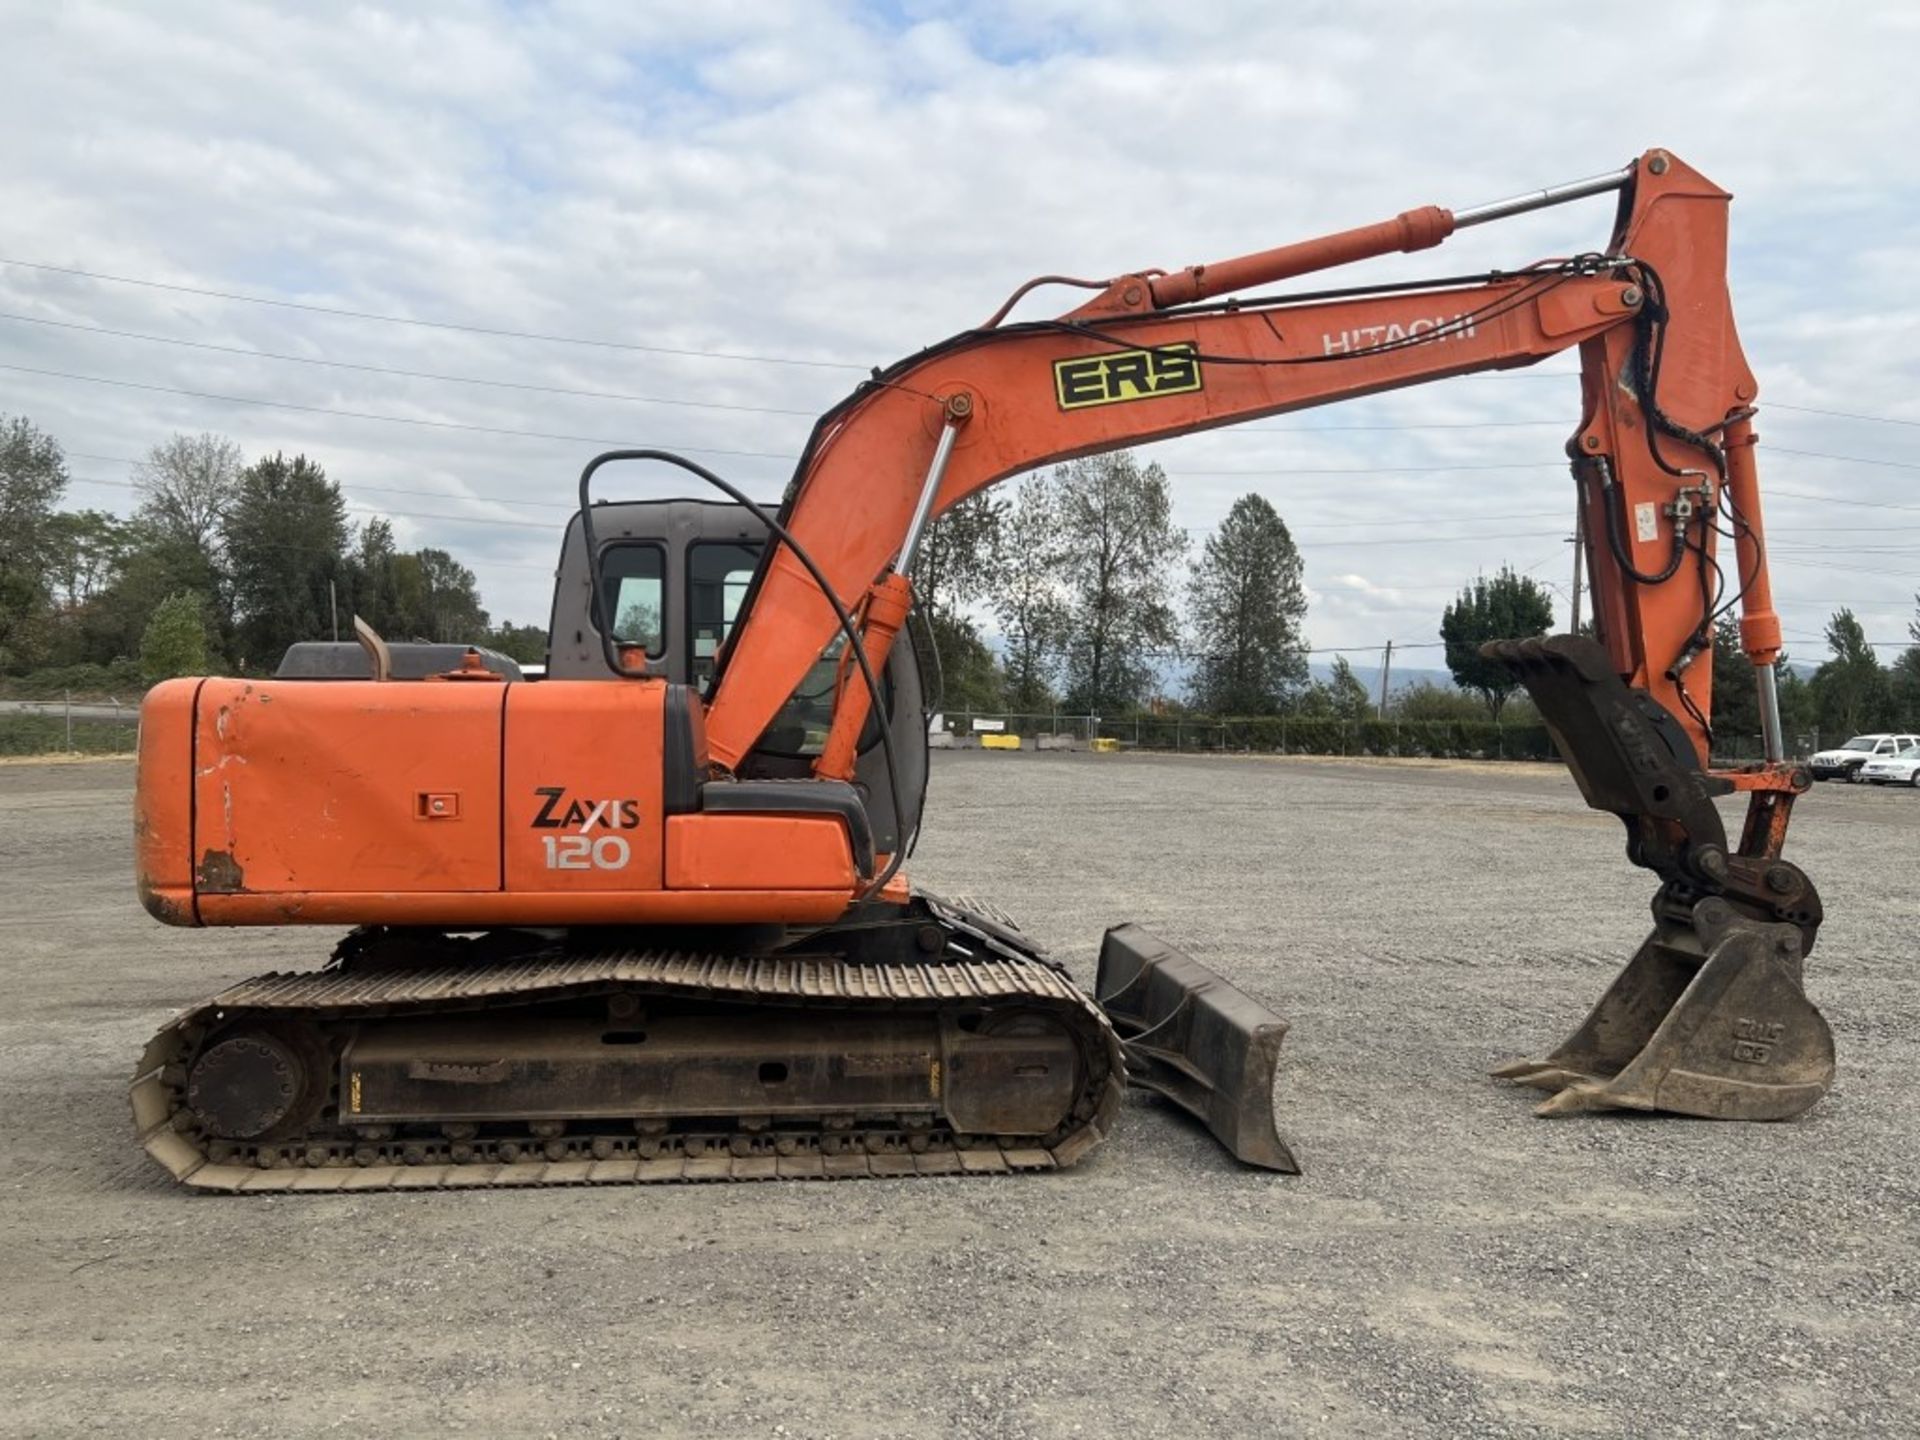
{"x":47,"y":735}
{"x":120,"y":680}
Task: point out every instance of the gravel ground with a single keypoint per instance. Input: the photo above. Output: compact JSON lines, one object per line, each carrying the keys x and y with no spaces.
{"x":1447,"y":1266}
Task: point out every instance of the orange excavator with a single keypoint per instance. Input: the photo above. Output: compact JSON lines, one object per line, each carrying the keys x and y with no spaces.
{"x":645,"y":918}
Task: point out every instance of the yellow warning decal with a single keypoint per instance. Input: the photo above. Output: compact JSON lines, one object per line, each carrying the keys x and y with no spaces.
{"x":353,"y":1094}
{"x":933,"y":1080}
{"x":1117,"y":376}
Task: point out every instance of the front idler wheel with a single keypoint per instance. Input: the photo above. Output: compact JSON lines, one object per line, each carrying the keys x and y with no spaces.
{"x":254,"y":1084}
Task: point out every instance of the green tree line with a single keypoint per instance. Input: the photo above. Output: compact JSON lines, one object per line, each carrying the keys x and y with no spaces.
{"x":1080,"y":570}
{"x":222,"y":565}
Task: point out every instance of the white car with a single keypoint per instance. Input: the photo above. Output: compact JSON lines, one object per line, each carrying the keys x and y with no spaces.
{"x":1845,"y":763}
{"x":1902,"y":768}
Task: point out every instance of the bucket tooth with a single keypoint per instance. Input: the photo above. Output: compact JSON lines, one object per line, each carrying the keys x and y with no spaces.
{"x":1731,"y":1036}
{"x":1203,"y":1044}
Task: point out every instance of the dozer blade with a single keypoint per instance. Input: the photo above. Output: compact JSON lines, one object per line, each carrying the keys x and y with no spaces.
{"x":1710,"y":1017}
{"x":1188,"y":1035}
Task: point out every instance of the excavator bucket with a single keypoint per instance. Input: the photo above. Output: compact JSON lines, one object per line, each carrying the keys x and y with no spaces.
{"x":1190,"y":1036}
{"x":1710,"y":1017}
{"x":1712,"y":1022}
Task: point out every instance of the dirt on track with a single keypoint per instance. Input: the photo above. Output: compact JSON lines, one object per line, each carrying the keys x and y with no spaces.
{"x":1447,"y":1265}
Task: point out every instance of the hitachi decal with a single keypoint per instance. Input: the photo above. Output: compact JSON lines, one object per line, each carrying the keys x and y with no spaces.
{"x":1436,"y":330}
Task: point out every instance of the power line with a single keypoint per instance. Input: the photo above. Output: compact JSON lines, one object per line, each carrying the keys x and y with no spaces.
{"x":396,"y":514}
{"x":1840,"y":414}
{"x":434,"y":324}
{"x":244,"y":352}
{"x":1383,"y":469}
{"x":575,"y":393}
{"x":699,"y":449}
{"x":387,"y":419}
{"x":490,"y":562}
{"x":1840,"y":500}
{"x":1844,"y":459}
{"x":1795,"y":561}
{"x":377,"y":490}
{"x":1438,"y":539}
{"x":804,"y":361}
{"x":522,"y":524}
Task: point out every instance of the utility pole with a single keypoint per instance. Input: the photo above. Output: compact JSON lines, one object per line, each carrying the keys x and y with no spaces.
{"x":333,"y":604}
{"x":1579,"y":553}
{"x":1386,"y":669}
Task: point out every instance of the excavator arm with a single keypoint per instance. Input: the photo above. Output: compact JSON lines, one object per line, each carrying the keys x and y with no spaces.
{"x":1662,"y":457}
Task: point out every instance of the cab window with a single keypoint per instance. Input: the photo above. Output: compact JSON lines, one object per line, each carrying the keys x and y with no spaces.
{"x":718,"y":574}
{"x":632,"y":578}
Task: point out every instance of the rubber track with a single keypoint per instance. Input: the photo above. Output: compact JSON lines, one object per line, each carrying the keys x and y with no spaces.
{"x":336,"y":994}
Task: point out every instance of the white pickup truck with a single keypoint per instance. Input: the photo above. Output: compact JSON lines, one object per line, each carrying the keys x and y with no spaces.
{"x":1845,"y":763}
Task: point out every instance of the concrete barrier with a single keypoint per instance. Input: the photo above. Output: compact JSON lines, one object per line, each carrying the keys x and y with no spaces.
{"x":999,"y":742}
{"x":1055,"y":742}
{"x":1106,"y":745}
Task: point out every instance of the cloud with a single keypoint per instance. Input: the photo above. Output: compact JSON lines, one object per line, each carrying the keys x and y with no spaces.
{"x":836,"y":182}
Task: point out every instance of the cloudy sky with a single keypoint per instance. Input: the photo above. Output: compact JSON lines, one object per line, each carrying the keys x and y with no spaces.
{"x":718,"y":215}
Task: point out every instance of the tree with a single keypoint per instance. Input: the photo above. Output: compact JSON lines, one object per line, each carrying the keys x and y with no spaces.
{"x":83,"y":555}
{"x":1340,"y":697}
{"x":440,"y":601}
{"x":84,"y":552}
{"x":1851,"y":692}
{"x":969,"y":678}
{"x":1736,"y":704}
{"x":1429,"y":702}
{"x":33,"y":477}
{"x":954,"y":566}
{"x":524,"y":643}
{"x":153,"y":567}
{"x":283,"y":536}
{"x":1904,"y":675}
{"x":955,"y":562}
{"x":186,"y":485}
{"x":1247,"y":600}
{"x":1508,"y":607}
{"x":370,"y":584}
{"x":1119,"y":548}
{"x":175,"y":640}
{"x":1027,"y":600}
{"x":1348,"y":696}
{"x":1799,"y":719}
{"x":1736,"y":699}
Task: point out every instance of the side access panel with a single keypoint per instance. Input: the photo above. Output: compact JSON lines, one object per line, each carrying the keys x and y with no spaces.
{"x":585,"y":787}
{"x":346,"y":786}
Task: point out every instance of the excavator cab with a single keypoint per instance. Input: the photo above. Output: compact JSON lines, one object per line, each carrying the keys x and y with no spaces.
{"x":674,"y":575}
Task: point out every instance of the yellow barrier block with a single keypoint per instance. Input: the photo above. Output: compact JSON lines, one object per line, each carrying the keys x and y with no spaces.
{"x":999,"y":742}
{"x":1106,"y":746}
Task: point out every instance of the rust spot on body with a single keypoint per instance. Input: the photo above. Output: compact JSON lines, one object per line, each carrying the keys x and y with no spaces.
{"x":219,"y":874}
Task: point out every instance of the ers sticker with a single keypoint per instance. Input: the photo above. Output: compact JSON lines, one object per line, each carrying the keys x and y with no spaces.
{"x":583,"y":848}
{"x":1116,"y":376}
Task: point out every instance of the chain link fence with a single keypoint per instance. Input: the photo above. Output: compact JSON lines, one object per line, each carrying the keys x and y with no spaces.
{"x":1265,"y":734}
{"x":1296,"y":735}
{"x":66,"y":726}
